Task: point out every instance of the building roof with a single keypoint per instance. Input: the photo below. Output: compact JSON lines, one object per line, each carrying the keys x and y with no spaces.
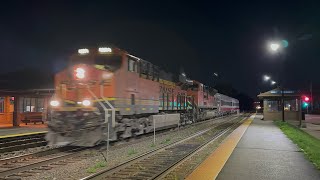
{"x":277,"y":92}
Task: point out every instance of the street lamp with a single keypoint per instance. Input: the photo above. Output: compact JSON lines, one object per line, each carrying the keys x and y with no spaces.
{"x":266,"y":78}
{"x":274,"y":46}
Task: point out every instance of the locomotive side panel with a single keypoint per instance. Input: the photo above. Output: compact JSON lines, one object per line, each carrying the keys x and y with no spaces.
{"x":136,"y":94}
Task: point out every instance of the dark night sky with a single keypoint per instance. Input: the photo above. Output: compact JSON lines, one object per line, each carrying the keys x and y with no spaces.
{"x":202,"y":37}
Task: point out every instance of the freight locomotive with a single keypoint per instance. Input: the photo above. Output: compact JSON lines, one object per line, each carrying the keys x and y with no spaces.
{"x":107,"y":93}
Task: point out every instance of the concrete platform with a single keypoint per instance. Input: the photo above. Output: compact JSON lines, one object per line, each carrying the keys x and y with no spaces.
{"x":264,"y":152}
{"x":9,"y":131}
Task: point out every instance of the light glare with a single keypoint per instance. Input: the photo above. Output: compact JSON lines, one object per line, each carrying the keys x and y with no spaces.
{"x":273,"y":82}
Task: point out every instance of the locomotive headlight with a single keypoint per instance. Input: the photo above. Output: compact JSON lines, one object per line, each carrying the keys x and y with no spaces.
{"x":80,"y":73}
{"x":86,"y":102}
{"x":105,"y":50}
{"x":83,"y":51}
{"x":54,"y":103}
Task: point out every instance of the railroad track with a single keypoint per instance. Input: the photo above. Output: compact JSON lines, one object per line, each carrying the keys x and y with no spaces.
{"x":22,"y":142}
{"x":156,"y":163}
{"x":26,"y":165}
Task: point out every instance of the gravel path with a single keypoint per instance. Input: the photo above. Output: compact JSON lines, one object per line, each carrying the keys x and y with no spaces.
{"x":117,"y":154}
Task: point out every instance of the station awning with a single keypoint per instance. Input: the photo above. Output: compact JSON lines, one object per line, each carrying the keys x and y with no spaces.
{"x":275,"y":93}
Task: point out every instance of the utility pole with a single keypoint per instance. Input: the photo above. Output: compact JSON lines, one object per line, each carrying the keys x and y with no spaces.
{"x":311,"y":102}
{"x":282,"y":99}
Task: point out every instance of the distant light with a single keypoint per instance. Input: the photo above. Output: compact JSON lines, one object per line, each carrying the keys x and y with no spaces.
{"x":273,"y":82}
{"x":54,"y":103}
{"x":83,"y":51}
{"x":306,"y":98}
{"x":266,"y":77}
{"x":105,"y":50}
{"x":86,"y":102}
{"x":183,"y":74}
{"x":274,"y":46}
{"x":80,"y":73}
{"x":215,"y":74}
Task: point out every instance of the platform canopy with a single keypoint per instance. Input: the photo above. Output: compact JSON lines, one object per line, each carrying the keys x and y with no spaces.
{"x":28,"y":92}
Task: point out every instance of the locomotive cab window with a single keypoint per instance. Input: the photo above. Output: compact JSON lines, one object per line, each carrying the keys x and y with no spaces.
{"x":110,"y":62}
{"x":132,"y":65}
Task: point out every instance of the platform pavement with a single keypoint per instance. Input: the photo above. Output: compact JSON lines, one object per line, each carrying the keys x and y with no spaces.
{"x":264,"y":152}
{"x":22,"y":130}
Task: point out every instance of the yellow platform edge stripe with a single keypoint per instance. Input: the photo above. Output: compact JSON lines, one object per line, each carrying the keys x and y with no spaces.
{"x":210,"y":168}
{"x":22,"y":134}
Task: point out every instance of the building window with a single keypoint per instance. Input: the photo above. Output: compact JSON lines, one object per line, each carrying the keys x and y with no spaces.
{"x":272,"y":106}
{"x":2,"y":104}
{"x":32,"y":104}
{"x":291,"y":105}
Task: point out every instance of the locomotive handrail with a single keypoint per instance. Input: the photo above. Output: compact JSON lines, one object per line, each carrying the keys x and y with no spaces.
{"x":113,"y":115}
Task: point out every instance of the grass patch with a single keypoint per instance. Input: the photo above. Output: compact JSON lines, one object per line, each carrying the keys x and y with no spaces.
{"x":153,"y":145}
{"x":91,"y":170}
{"x":132,"y":151}
{"x":100,"y":164}
{"x":166,"y":141}
{"x":307,"y":143}
{"x":96,"y":167}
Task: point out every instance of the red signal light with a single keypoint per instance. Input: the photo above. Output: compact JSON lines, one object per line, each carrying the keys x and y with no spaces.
{"x":306,"y":98}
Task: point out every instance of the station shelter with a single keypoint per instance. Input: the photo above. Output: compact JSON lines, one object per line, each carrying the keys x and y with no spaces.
{"x":272,"y":105}
{"x":16,"y":105}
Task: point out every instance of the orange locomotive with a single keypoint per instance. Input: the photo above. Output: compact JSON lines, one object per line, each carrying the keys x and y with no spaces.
{"x":109,"y":92}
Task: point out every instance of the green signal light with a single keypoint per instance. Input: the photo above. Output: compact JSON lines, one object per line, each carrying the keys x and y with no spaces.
{"x":305,"y":104}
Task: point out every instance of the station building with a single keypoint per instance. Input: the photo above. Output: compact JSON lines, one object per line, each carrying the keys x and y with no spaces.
{"x":16,"y":106}
{"x":24,"y":94}
{"x":272,"y":104}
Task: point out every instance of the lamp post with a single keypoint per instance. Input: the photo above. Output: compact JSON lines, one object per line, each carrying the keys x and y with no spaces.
{"x":274,"y":48}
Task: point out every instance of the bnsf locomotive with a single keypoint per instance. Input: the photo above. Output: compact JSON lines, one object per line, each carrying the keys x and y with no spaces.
{"x":109,"y":92}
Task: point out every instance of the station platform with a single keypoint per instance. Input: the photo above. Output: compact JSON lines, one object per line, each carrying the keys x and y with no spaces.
{"x":256,"y":150}
{"x":6,"y":130}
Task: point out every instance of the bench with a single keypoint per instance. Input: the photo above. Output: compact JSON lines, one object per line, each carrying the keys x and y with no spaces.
{"x":32,"y":118}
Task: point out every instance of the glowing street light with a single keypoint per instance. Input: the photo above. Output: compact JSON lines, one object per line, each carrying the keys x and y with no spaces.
{"x":274,"y":46}
{"x":266,"y":78}
{"x":273,"y":82}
